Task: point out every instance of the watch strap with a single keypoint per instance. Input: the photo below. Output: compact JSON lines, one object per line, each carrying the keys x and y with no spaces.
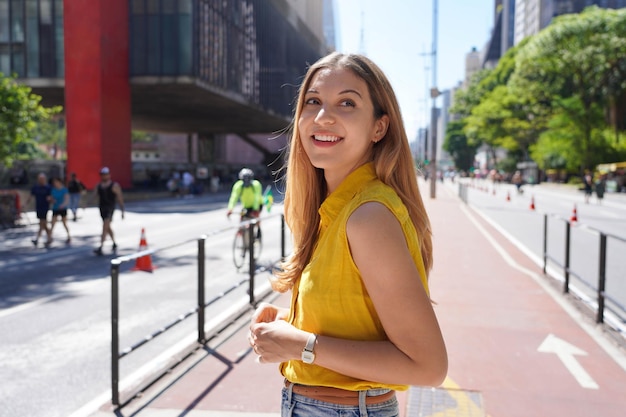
{"x":308,"y":356}
{"x":310,"y":343}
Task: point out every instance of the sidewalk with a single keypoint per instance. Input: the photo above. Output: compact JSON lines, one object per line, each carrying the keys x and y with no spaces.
{"x":517,"y":347}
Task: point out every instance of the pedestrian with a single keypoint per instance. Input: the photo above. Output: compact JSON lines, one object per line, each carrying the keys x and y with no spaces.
{"x":60,"y":199}
{"x":188,"y":184}
{"x":600,"y":188}
{"x":587,"y":186}
{"x":41,"y":193}
{"x":173,"y":184}
{"x":215,"y":182}
{"x":76,"y":189}
{"x":109,"y":194}
{"x":518,"y":181}
{"x":361,"y":322}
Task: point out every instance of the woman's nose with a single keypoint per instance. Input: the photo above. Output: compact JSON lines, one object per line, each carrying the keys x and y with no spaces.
{"x":324,"y":116}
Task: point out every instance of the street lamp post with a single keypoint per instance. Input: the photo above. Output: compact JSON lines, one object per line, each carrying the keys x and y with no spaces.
{"x":434,"y":93}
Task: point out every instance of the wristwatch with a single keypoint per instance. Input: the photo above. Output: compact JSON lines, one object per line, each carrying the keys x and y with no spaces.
{"x":308,"y":356}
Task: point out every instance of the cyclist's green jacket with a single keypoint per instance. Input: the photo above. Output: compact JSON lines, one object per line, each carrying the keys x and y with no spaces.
{"x":251,"y":197}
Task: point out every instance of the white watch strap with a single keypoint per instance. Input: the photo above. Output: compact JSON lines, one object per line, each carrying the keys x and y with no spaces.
{"x":310,"y":343}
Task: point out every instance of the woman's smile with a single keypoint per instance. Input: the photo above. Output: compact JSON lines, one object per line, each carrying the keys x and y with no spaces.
{"x":326,"y":138}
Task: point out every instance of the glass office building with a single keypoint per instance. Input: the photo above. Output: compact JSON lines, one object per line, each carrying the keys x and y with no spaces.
{"x":31,"y":38}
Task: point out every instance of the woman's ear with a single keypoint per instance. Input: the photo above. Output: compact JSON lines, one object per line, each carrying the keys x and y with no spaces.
{"x":380,"y":128}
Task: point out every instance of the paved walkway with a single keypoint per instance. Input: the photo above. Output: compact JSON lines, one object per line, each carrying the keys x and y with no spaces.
{"x":517,"y":347}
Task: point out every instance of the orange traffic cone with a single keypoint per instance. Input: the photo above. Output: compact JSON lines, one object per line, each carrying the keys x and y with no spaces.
{"x":574,"y":217}
{"x":508,"y":196}
{"x":143,"y":263}
{"x":532,"y":202}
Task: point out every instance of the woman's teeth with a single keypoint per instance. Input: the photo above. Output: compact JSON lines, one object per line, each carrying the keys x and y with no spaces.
{"x":325,"y":138}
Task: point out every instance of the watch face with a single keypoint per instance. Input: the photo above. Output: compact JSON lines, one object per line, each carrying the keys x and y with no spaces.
{"x":308,"y":357}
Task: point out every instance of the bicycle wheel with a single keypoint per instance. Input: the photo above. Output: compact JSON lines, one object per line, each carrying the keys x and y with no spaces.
{"x":239,"y":249}
{"x":258,"y":244}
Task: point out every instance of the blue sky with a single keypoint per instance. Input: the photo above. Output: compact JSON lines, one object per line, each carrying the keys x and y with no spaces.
{"x":396,"y":35}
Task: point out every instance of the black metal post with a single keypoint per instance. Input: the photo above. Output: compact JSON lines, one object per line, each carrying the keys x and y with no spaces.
{"x":568,"y":230}
{"x":201,"y":281}
{"x":251,"y":232}
{"x":601,"y":279}
{"x":545,"y":243}
{"x":115,"y":341}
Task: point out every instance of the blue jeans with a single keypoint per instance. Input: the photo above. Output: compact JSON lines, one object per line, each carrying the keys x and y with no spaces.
{"x":74,"y":200}
{"x":295,"y":405}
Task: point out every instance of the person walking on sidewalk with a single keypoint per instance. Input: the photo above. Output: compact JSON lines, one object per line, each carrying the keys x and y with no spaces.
{"x":600,"y":187}
{"x":109,"y":193}
{"x":518,"y":181}
{"x":361,"y":323}
{"x":60,"y":198}
{"x":76,"y":188}
{"x":41,"y":193}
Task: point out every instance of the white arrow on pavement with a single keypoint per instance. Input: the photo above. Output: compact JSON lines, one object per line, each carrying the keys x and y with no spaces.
{"x":565,"y":352}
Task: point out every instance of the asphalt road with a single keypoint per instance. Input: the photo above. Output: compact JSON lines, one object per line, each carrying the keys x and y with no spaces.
{"x":512,"y":214}
{"x":55,"y":303}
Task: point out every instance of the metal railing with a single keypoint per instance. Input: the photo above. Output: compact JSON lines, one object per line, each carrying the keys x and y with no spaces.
{"x":603,"y":301}
{"x":600,"y":288}
{"x":199,"y":309}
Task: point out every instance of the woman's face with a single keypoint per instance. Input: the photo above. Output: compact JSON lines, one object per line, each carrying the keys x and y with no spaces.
{"x":337,"y":126}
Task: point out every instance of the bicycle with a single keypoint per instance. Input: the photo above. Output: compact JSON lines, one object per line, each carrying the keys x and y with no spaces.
{"x":241,"y":244}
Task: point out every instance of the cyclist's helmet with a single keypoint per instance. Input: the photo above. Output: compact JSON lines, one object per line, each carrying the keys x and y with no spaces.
{"x":246,"y":175}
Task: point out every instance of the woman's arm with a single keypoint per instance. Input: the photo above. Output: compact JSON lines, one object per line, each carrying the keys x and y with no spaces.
{"x":415,"y":353}
{"x":117,"y":189}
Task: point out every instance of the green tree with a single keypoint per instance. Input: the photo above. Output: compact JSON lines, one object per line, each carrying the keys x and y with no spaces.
{"x":457,"y":145}
{"x":50,"y":132}
{"x":462,"y":145}
{"x":487,"y":121}
{"x":465,"y":100}
{"x":571,"y":68}
{"x":20,"y":114}
{"x":491,"y":114}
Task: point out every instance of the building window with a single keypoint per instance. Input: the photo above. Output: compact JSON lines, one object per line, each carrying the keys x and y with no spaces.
{"x":31,"y":38}
{"x":161,"y":37}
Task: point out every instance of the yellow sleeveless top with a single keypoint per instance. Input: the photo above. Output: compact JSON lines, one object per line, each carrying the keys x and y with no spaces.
{"x":329,"y":298}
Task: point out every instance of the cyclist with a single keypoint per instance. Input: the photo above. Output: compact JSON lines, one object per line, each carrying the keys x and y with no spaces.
{"x":250,"y":192}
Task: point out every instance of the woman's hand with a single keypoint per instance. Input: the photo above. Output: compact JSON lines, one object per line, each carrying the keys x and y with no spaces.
{"x":277,"y":341}
{"x":272,"y":338}
{"x":266,"y":313}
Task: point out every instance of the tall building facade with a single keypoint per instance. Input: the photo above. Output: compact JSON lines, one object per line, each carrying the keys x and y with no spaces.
{"x":534,"y":15}
{"x":473,"y":64}
{"x":508,"y":25}
{"x":200,"y":68}
{"x":31,"y":38}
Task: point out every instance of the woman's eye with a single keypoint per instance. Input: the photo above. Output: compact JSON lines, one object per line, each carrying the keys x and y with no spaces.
{"x":312,"y":101}
{"x":348,"y":103}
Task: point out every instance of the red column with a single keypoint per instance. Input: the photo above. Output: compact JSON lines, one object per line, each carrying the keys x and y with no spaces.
{"x":97,"y":89}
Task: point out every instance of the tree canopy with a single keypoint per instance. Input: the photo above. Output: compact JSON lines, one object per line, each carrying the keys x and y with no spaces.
{"x":22,"y":119}
{"x":557,"y":96}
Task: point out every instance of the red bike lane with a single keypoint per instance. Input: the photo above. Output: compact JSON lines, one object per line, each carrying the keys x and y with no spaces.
{"x":511,"y":334}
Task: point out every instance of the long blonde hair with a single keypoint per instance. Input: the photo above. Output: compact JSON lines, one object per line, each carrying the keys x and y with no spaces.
{"x":305,"y":185}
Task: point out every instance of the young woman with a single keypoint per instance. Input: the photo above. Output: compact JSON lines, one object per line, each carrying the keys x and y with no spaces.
{"x":361,"y":324}
{"x":60,"y":202}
